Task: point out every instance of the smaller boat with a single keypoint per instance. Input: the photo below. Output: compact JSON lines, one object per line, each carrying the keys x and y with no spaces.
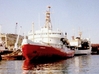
{"x":80,"y":46}
{"x":15,"y":55}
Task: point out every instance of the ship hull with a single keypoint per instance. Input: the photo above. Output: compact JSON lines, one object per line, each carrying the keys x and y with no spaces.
{"x":82,"y":51}
{"x":34,"y":53}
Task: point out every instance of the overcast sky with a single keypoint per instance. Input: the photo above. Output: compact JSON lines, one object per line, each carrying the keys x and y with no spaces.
{"x":67,"y":15}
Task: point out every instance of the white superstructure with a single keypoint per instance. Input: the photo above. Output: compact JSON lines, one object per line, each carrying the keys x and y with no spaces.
{"x":81,"y":46}
{"x":47,"y":35}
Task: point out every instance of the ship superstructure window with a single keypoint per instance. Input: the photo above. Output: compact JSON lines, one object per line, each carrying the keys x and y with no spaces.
{"x":57,"y":33}
{"x":47,"y":33}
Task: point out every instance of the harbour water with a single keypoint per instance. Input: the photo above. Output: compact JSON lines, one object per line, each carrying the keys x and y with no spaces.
{"x":83,"y":64}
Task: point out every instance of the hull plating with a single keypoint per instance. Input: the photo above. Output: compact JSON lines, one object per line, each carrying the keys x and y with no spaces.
{"x":39,"y":53}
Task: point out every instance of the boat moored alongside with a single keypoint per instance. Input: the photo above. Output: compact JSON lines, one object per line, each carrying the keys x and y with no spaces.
{"x":81,"y":45}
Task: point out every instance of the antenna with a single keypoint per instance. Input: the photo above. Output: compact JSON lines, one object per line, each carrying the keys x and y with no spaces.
{"x":49,"y":7}
{"x":33,"y":30}
{"x":80,"y":33}
{"x":39,"y":20}
{"x":16,"y":28}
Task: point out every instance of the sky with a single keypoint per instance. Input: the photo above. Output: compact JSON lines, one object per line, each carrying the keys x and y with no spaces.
{"x":69,"y":16}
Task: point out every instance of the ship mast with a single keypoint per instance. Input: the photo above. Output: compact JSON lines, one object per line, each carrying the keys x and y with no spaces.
{"x":80,"y":34}
{"x":33,"y":30}
{"x":48,"y":20}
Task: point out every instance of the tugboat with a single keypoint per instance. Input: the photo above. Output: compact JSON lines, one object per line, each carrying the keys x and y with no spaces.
{"x":80,"y":45}
{"x":45,"y":44}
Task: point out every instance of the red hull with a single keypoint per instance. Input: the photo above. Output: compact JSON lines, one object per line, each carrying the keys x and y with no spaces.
{"x":38,"y":53}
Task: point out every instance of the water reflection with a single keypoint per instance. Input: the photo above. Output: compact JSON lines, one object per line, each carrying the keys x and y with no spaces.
{"x":10,"y":67}
{"x":84,"y":64}
{"x":75,"y":65}
{"x":49,"y":68}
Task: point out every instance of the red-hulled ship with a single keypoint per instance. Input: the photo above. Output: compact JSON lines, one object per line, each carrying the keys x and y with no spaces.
{"x":45,"y":44}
